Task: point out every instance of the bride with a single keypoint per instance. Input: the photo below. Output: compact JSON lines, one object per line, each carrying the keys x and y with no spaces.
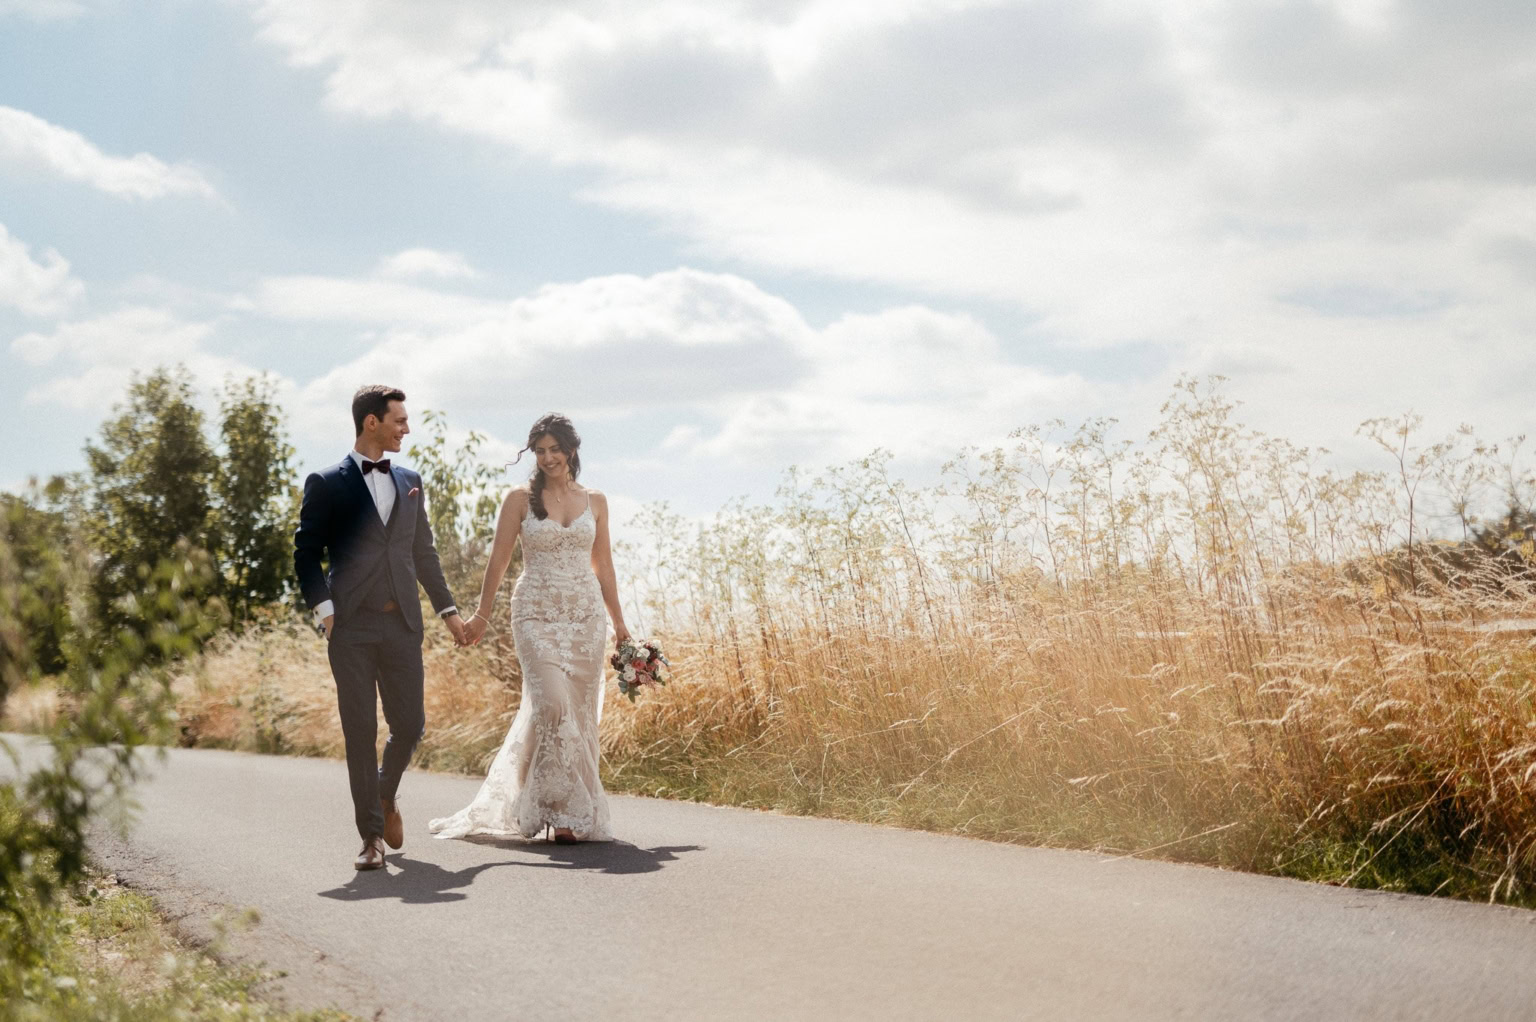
{"x":545,"y":776}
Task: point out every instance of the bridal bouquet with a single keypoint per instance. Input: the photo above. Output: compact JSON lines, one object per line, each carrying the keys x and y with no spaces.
{"x":639,"y":663}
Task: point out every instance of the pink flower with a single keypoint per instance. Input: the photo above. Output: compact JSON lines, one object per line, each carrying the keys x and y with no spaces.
{"x":638,"y":665}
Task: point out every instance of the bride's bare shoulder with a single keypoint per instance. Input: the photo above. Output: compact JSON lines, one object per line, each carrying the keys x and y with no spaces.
{"x":517,"y":498}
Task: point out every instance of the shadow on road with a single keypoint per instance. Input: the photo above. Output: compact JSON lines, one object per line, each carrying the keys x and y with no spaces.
{"x":613,"y":857}
{"x":413,"y":881}
{"x":418,"y":882}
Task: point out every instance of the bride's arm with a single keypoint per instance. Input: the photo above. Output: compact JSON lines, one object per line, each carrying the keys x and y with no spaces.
{"x":509,"y":527}
{"x":602,"y":565}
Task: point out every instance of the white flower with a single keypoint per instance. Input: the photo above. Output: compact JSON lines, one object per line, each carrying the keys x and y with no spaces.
{"x":629,"y":674}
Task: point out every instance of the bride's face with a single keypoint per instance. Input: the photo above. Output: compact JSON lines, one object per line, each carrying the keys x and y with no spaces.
{"x":551,"y":457}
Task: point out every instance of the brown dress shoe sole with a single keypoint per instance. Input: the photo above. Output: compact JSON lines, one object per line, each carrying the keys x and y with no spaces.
{"x":394,"y":825}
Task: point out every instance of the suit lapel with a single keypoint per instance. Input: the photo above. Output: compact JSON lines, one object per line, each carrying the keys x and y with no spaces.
{"x":398,"y":478}
{"x":357,"y":486}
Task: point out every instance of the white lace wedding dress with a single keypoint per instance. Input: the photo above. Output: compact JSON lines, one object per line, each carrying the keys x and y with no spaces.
{"x":546,"y":771}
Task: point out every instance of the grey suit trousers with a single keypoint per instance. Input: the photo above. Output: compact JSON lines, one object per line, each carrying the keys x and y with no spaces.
{"x":376,"y":652}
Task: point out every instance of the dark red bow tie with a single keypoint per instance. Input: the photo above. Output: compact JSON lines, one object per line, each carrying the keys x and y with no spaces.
{"x":369,"y":466}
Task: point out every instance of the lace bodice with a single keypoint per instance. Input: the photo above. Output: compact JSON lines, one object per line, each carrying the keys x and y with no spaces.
{"x":557,"y":587}
{"x":550,"y":548}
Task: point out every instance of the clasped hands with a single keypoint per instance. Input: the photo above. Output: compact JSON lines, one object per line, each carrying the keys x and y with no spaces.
{"x":467,"y":633}
{"x":474,"y":629}
{"x":464,"y":633}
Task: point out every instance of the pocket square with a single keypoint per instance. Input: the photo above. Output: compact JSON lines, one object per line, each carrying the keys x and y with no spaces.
{"x":414,"y":490}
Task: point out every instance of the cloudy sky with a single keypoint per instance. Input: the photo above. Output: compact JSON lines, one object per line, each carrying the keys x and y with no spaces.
{"x":728,"y":236}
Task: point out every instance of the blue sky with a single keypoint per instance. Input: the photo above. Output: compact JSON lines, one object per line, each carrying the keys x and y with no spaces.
{"x":731,"y":237}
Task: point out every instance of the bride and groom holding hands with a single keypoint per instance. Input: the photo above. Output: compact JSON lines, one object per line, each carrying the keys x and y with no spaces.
{"x":362,"y":546}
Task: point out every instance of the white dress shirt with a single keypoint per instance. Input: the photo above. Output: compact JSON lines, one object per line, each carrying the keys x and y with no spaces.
{"x":382,"y":486}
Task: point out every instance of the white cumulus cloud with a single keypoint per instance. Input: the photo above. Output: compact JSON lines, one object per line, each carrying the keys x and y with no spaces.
{"x":1228,"y":184}
{"x":725,"y":372}
{"x":27,"y":139}
{"x":36,"y":288}
{"x":602,"y":345}
{"x":426,"y":262}
{"x":367,"y":300}
{"x":97,"y":357}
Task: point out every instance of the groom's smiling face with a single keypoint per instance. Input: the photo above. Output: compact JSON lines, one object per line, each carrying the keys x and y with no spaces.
{"x":389,"y":431}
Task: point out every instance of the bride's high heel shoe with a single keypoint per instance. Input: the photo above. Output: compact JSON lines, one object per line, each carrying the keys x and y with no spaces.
{"x":560,"y":839}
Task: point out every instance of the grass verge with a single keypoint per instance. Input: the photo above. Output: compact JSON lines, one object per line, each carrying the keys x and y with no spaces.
{"x":107,"y":955}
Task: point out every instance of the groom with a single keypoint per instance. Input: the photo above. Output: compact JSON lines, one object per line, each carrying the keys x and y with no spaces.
{"x":369,"y":519}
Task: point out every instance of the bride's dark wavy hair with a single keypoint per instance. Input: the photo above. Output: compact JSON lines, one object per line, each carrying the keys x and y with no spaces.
{"x":558,"y":426}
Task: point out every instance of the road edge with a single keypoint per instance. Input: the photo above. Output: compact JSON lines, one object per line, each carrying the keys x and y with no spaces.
{"x":300,"y":976}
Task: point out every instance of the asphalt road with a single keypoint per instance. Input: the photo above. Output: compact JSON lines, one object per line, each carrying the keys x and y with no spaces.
{"x":707,"y":913}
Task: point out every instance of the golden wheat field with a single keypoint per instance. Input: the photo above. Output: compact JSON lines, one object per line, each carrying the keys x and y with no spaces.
{"x":1203,"y":646}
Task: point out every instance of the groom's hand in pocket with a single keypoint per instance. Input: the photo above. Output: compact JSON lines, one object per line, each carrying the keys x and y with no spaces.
{"x":456,"y":626}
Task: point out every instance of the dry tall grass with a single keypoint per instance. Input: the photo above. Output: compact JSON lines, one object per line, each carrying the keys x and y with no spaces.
{"x":270,"y":690}
{"x":1203,"y":647}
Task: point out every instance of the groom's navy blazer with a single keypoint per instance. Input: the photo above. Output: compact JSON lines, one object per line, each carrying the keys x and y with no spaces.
{"x":370,"y":562}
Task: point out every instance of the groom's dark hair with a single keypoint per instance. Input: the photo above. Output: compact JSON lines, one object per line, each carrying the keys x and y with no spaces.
{"x":373,"y":400}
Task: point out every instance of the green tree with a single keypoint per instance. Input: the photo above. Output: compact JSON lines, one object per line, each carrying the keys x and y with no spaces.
{"x":151,"y":476}
{"x":15,"y":659}
{"x":257,"y":498}
{"x":145,"y":511}
{"x":45,"y":559}
{"x":463,"y":498}
{"x":120,"y":701}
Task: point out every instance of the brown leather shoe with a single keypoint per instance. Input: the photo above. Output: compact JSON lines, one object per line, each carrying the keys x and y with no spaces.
{"x":372,"y":855}
{"x":394,"y":826}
